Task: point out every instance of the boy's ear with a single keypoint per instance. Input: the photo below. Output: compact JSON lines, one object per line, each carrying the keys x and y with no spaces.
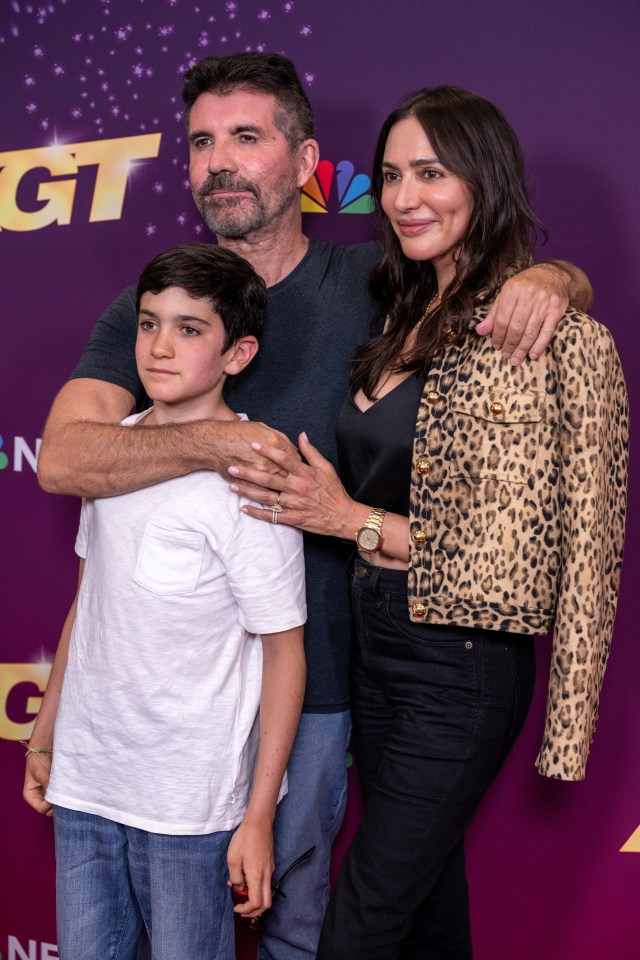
{"x":240,"y":354}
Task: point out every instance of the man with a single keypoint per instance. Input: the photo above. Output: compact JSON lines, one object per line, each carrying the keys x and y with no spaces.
{"x":252,"y":149}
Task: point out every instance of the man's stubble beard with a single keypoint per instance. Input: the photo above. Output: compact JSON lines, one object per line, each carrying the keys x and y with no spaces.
{"x":236,"y":218}
{"x":227,"y":219}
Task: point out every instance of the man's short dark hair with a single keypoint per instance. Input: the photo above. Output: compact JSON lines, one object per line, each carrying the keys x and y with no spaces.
{"x":208,"y":272}
{"x":263,"y":72}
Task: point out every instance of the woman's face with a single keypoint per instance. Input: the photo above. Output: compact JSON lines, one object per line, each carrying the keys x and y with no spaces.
{"x":428,"y":206}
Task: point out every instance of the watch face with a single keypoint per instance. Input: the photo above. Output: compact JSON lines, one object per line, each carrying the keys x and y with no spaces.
{"x":369,"y":539}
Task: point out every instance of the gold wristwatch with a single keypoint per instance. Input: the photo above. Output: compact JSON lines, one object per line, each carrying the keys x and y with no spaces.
{"x":369,"y":537}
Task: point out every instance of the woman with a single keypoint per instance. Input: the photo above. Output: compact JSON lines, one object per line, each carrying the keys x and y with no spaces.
{"x":486,"y":501}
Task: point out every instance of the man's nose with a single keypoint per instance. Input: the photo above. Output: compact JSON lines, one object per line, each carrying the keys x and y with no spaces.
{"x":221,"y":158}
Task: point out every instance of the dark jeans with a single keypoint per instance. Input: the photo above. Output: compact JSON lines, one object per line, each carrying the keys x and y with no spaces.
{"x":435,"y":712}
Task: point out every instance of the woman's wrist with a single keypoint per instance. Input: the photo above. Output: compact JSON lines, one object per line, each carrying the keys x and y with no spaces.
{"x":353,"y":519}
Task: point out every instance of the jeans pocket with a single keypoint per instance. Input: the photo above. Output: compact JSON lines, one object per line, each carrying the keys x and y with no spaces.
{"x":396,"y":612}
{"x":440,"y":663}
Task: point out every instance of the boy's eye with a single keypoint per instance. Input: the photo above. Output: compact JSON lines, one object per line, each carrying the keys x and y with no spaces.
{"x":190,"y":331}
{"x":146,"y":324}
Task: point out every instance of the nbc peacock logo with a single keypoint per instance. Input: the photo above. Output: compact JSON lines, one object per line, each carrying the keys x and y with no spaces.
{"x":353,"y":191}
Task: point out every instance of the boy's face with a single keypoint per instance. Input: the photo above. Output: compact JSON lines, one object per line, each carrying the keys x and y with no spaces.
{"x":179,"y":353}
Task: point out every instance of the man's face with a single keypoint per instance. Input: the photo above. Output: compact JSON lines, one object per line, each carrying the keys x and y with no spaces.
{"x":242,"y":173}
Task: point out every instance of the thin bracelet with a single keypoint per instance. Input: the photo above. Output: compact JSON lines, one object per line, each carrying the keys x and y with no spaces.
{"x":30,"y":749}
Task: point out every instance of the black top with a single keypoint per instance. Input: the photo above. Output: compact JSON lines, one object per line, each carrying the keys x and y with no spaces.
{"x":375,"y":446}
{"x":316,"y":318}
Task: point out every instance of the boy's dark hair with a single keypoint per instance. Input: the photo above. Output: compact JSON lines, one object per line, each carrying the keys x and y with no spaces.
{"x":208,"y":272}
{"x":263,"y":72}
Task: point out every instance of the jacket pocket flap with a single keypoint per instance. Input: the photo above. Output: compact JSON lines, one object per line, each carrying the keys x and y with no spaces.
{"x":497,"y":405}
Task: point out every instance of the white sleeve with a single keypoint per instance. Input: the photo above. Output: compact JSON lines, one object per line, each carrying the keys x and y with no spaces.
{"x":265,"y":571}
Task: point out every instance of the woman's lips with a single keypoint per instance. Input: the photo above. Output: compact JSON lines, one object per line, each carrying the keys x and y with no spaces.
{"x":410,"y":228}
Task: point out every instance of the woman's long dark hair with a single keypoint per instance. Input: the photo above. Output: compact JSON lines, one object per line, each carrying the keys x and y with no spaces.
{"x":472,"y":139}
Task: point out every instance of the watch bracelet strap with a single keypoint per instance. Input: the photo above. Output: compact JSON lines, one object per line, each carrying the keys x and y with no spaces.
{"x":374,"y":520}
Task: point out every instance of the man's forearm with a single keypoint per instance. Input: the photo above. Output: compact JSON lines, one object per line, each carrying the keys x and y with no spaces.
{"x":85,"y":452}
{"x":89,"y":459}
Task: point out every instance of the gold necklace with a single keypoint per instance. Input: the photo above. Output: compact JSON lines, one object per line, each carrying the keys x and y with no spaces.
{"x":433,"y":302}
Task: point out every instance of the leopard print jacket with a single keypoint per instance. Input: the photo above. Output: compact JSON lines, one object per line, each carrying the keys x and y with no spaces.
{"x":518,"y":504}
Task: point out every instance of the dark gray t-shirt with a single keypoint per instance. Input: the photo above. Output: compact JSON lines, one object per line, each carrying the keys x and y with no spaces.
{"x":316,"y":318}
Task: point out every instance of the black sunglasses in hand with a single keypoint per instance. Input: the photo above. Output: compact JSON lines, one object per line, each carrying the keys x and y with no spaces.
{"x":242,"y":895}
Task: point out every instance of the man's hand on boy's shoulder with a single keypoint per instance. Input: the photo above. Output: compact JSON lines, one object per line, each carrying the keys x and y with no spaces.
{"x":229,"y":442}
{"x":86,"y":452}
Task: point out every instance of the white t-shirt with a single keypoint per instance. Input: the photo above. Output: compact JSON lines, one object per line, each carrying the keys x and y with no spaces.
{"x":157,"y":724}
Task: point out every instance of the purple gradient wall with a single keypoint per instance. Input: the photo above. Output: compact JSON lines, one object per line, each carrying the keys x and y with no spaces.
{"x":547,"y":876}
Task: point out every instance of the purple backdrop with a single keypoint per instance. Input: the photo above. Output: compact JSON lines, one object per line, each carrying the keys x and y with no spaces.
{"x":90,"y":82}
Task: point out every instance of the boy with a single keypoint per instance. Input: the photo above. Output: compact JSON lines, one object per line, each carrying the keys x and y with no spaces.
{"x":156,"y":727}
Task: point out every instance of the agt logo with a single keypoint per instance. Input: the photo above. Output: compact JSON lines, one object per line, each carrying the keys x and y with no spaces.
{"x":15,"y":950}
{"x":113,"y":160}
{"x":353,"y":191}
{"x":632,"y":845}
{"x":22,"y":453}
{"x":22,"y":687}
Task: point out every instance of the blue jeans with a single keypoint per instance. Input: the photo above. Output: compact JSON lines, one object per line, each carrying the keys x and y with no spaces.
{"x":110,"y":879}
{"x":435,"y":713}
{"x":311,"y":813}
